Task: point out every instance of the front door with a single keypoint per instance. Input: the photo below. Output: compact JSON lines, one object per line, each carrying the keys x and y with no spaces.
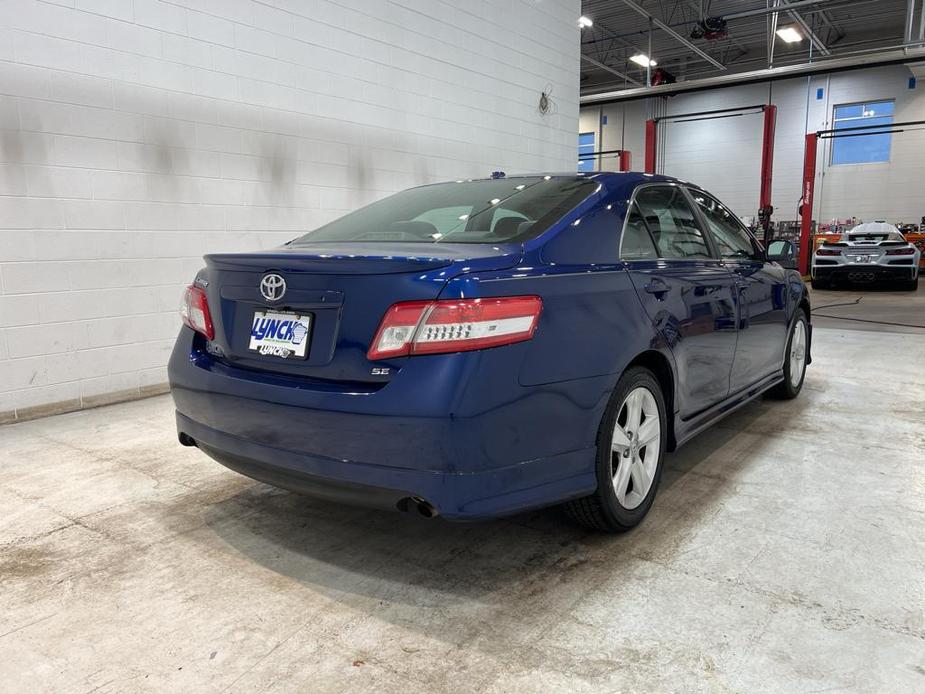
{"x":686,"y":291}
{"x":761,"y":289}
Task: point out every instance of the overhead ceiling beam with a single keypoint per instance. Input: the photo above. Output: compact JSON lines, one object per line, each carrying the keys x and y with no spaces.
{"x":795,"y":4}
{"x":602,"y":66}
{"x":671,"y":32}
{"x":892,"y":56}
{"x":798,"y":18}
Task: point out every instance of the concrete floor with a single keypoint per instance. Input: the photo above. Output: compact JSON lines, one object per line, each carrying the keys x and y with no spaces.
{"x":880,"y":307}
{"x":785,"y":553}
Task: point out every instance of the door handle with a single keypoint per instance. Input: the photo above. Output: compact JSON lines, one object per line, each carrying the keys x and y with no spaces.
{"x":657,"y":286}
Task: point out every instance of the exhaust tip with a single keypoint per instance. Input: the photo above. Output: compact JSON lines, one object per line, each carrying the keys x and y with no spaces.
{"x":416,"y":503}
{"x":186,"y":440}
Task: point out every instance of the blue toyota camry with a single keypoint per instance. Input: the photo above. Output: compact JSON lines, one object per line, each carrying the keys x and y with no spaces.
{"x":477,"y":348}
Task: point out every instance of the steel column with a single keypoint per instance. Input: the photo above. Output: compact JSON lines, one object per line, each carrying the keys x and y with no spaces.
{"x":651,"y":134}
{"x":626,"y":161}
{"x":806,"y":206}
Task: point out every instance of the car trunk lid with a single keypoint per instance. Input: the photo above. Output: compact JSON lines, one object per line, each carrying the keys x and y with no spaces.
{"x":340,"y":292}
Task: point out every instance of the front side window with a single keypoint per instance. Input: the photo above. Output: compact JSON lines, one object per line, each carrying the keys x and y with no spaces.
{"x":672,"y":223}
{"x":732,"y":240}
{"x":863,"y":147}
{"x":504,"y":210}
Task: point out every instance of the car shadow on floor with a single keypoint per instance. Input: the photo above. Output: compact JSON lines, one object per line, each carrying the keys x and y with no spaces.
{"x":345,"y":551}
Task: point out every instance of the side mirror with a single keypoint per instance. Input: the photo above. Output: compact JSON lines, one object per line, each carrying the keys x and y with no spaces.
{"x":782,"y":252}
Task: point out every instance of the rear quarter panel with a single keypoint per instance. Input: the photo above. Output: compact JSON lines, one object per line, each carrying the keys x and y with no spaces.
{"x":547,"y":396}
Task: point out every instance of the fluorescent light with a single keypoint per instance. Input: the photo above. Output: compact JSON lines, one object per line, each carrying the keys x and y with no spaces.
{"x":584,"y":22}
{"x":643,"y":60}
{"x":790,"y":35}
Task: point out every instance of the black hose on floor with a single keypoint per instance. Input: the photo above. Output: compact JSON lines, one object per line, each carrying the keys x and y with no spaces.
{"x":867,"y":320}
{"x":846,"y":303}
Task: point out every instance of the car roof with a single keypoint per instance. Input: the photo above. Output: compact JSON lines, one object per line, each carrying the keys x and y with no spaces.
{"x":619,"y":184}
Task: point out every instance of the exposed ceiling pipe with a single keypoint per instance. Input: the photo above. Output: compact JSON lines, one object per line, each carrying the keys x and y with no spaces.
{"x":671,"y":32}
{"x":797,"y":4}
{"x":922,"y":22}
{"x":772,"y":33}
{"x":910,"y":15}
{"x":893,"y":55}
{"x":611,"y":70}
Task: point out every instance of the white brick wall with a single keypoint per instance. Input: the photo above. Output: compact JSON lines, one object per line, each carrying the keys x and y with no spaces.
{"x":137,"y":135}
{"x":724,"y":155}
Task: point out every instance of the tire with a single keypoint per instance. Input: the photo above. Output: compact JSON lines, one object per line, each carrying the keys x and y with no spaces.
{"x":630,"y":466}
{"x":820,"y":284}
{"x":911,"y":285}
{"x":794,"y":366}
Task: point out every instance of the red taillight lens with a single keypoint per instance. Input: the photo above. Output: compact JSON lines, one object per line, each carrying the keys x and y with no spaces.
{"x":455,"y":325}
{"x":194,"y":309}
{"x":828,"y":251}
{"x":901,"y":251}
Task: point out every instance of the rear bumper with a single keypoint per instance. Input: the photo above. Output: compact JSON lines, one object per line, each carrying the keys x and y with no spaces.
{"x":456,"y":496}
{"x":457,"y":431}
{"x":864,"y":273}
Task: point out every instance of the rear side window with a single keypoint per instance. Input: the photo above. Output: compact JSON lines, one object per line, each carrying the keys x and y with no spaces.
{"x":672,"y":223}
{"x":493,"y":211}
{"x":637,"y":244}
{"x":732,"y":240}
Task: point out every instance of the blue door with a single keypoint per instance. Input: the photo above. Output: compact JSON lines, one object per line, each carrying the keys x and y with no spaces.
{"x":760,"y":289}
{"x":686,"y":290}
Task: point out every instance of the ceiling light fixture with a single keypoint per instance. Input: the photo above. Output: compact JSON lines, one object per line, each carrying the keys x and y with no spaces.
{"x":584,"y":22}
{"x":790,"y":35}
{"x":643,"y":60}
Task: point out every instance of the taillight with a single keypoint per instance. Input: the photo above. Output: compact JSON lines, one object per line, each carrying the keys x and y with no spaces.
{"x":901,"y":251}
{"x":454,"y":325}
{"x":828,"y":251}
{"x":194,"y":309}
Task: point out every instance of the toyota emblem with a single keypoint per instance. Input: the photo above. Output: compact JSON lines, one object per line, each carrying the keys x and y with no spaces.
{"x":272,"y":287}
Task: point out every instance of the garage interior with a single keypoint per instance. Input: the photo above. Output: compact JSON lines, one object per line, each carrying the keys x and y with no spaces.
{"x":786,"y":550}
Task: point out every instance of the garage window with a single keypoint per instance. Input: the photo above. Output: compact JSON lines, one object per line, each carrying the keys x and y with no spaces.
{"x":864,"y":148}
{"x":586,"y":158}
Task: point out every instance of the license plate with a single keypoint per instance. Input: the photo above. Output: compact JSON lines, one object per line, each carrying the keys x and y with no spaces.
{"x":862,"y":258}
{"x":280,"y":334}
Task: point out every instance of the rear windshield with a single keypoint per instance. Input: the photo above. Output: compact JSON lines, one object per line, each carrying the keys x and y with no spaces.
{"x":493,"y":211}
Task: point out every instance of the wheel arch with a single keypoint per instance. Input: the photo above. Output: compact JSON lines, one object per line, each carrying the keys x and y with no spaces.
{"x":661,"y":367}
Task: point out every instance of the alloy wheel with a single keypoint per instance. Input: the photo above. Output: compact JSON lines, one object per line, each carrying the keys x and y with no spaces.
{"x":797,"y":353}
{"x":635,"y":447}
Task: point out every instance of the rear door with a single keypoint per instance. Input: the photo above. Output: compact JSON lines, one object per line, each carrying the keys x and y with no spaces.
{"x":761,"y":289}
{"x":686,"y":290}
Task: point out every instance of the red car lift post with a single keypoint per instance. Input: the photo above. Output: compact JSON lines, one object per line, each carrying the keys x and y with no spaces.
{"x":806,"y":204}
{"x":809,"y":175}
{"x":767,"y":147}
